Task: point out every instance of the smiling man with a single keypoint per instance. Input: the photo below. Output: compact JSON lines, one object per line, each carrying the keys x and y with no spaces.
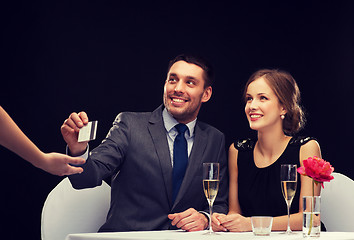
{"x":185,"y":91}
{"x":156,"y":168}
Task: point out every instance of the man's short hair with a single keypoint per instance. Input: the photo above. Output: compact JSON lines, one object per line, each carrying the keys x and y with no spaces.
{"x":199,"y":61}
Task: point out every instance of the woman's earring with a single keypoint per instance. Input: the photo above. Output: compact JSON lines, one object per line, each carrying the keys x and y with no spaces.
{"x":282,"y":116}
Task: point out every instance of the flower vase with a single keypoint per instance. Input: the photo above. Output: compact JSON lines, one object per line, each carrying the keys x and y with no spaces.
{"x":311,"y":226}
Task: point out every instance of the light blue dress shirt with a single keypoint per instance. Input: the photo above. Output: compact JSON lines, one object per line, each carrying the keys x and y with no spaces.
{"x":171,"y":132}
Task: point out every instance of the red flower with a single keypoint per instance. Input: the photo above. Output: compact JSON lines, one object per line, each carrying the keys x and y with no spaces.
{"x":317,"y":169}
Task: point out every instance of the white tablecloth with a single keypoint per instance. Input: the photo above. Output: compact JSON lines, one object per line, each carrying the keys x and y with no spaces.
{"x":181,"y":235}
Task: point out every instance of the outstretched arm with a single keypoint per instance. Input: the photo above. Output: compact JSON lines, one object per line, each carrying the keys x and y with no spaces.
{"x":15,"y":140}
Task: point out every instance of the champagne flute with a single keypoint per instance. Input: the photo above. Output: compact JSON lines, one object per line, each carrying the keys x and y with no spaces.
{"x":211,"y":186}
{"x":288,"y":180}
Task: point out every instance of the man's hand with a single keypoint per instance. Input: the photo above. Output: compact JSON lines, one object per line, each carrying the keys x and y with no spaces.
{"x":70,"y":131}
{"x":189,"y":220}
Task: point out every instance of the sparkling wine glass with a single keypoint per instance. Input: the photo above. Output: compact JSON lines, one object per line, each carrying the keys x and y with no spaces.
{"x":288,"y":180}
{"x":211,"y":186}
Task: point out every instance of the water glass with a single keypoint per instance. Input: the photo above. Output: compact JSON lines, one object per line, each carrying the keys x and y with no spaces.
{"x":261,"y":226}
{"x":311,"y":226}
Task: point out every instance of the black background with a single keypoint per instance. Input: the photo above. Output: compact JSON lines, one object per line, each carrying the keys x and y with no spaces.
{"x":105,"y":57}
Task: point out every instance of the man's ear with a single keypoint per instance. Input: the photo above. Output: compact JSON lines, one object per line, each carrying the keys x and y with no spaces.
{"x":207,"y":94}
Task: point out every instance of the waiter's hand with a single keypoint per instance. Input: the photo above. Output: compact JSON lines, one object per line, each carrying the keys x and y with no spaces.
{"x":189,"y":220}
{"x":59,"y":164}
{"x":70,"y":131}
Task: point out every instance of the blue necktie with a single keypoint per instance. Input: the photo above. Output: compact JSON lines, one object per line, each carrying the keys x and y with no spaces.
{"x":180,"y":159}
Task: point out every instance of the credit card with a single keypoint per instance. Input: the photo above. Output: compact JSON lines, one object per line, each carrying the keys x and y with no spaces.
{"x":88,"y":132}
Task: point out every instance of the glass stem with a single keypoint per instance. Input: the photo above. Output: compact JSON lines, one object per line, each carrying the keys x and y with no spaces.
{"x":210,"y":214}
{"x":288,"y":229}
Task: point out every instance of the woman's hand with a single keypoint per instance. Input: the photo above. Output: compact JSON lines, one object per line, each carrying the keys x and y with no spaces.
{"x":235,"y":222}
{"x":215,"y":223}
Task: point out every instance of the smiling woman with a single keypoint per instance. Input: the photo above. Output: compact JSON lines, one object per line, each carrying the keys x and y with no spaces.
{"x":263,"y":109}
{"x":284,"y":89}
{"x":273,"y":110}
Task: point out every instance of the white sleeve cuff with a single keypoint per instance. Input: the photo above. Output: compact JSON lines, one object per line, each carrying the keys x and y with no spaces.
{"x":207,"y":216}
{"x":84,"y":156}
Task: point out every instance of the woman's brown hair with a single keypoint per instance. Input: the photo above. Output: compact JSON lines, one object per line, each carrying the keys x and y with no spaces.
{"x":288,"y":93}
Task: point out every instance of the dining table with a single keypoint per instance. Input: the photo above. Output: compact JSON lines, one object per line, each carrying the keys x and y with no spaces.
{"x":200,"y":235}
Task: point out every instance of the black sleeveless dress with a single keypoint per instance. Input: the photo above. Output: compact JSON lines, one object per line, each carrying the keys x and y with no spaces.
{"x":259,"y":191}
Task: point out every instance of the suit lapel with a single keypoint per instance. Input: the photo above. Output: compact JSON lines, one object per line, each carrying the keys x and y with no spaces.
{"x":195,"y":161}
{"x":158,"y":135}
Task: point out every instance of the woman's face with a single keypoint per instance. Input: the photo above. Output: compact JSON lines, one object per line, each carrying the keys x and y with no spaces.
{"x":263,"y":109}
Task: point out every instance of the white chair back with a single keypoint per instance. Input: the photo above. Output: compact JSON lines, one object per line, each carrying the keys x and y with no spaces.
{"x":67,"y":210}
{"x":337,"y":204}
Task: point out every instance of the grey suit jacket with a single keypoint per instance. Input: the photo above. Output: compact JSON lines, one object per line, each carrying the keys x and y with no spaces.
{"x":135,"y":154}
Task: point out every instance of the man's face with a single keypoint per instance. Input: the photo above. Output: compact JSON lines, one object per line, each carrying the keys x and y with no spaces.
{"x":184,"y":91}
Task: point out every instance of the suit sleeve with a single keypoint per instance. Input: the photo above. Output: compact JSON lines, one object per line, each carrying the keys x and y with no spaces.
{"x":221,"y":201}
{"x":107,"y":158}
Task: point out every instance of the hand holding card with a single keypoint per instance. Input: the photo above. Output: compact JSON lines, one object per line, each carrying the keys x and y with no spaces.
{"x":88,"y":132}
